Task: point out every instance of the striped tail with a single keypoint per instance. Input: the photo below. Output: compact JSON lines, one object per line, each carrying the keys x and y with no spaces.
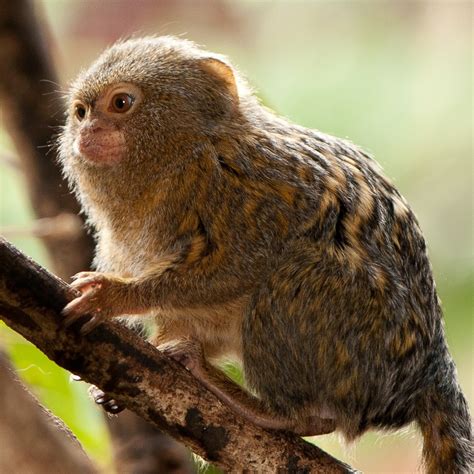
{"x":446,"y":426}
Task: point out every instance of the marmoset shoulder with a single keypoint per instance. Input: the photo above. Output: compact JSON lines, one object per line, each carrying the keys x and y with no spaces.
{"x":247,"y":236}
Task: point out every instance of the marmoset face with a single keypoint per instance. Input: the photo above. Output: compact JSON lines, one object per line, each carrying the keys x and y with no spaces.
{"x":98,"y":126}
{"x":140,"y":111}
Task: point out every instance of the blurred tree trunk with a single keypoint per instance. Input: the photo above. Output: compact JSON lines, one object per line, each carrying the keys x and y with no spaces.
{"x":32,"y":440}
{"x":27,"y":78}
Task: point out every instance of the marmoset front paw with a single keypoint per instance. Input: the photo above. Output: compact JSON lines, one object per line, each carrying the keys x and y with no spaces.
{"x":102,"y":296}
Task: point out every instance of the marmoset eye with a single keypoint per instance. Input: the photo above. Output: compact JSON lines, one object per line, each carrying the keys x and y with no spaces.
{"x":121,"y":103}
{"x":80,"y":111}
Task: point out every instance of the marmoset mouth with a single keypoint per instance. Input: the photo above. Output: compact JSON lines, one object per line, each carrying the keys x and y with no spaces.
{"x":101,"y":147}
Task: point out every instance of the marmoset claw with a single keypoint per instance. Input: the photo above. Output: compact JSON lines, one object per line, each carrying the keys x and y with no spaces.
{"x":107,"y":403}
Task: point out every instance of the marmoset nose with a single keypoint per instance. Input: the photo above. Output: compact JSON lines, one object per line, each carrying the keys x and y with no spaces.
{"x":92,"y":126}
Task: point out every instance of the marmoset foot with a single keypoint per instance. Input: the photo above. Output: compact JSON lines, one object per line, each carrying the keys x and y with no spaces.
{"x":107,"y":403}
{"x":187,"y":352}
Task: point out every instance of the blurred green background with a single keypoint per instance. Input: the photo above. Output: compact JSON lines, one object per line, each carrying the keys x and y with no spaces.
{"x":392,"y":76}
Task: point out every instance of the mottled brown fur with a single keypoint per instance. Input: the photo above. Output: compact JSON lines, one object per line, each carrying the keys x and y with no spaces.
{"x":279,"y":246}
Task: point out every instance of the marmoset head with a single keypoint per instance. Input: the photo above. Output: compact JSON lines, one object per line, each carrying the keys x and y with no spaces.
{"x":144,"y":103}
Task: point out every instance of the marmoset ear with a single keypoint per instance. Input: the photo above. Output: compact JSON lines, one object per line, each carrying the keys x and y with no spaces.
{"x":223,"y":72}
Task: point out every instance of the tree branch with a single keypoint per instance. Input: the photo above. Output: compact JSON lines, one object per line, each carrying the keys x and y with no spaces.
{"x":144,"y":380}
{"x":31,"y":438}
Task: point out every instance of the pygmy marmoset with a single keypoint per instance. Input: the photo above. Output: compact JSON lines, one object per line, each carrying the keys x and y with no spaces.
{"x":251,"y":238}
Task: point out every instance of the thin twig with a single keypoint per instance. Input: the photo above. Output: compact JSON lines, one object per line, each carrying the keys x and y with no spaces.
{"x":63,"y":226}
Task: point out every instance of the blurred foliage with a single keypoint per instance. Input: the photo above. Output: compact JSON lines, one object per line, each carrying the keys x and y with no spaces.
{"x":394,"y":77}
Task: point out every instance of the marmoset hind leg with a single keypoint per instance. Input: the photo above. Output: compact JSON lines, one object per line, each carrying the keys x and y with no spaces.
{"x":189,"y":353}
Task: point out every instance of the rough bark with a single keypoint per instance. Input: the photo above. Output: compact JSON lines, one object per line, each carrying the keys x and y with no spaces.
{"x":140,"y":448}
{"x":32,"y":439}
{"x":141,"y":378}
